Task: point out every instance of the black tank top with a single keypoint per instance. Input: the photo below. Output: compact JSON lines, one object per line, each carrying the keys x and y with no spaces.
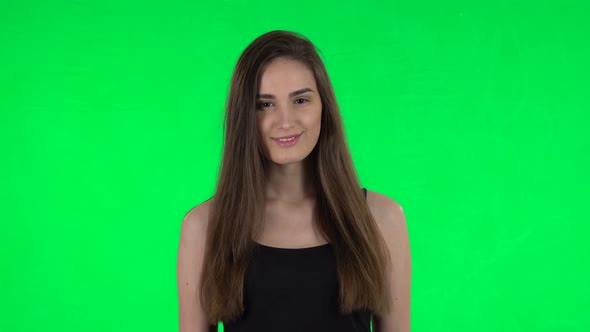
{"x":294,"y":290}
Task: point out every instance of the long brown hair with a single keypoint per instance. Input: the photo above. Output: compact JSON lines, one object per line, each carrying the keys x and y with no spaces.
{"x":237,"y":207}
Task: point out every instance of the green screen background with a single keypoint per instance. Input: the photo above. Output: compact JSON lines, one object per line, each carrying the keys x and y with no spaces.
{"x":472,"y":115}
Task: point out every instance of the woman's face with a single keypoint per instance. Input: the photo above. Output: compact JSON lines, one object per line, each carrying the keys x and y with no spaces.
{"x":288,"y":104}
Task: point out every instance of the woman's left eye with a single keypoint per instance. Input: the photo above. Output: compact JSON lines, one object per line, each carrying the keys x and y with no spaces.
{"x":301,"y":100}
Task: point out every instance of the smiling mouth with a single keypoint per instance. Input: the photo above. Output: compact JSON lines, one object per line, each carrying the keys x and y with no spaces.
{"x":287,"y":140}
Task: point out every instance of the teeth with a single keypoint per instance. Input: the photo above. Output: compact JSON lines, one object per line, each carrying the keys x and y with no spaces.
{"x":286,"y":139}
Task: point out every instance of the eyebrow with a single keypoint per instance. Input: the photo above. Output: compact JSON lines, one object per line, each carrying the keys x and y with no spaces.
{"x":294,"y":93}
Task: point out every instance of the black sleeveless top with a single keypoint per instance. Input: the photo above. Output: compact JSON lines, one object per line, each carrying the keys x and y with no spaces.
{"x":294,"y":290}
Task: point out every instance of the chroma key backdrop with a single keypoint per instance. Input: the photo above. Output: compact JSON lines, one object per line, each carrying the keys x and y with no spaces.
{"x":473,"y":115}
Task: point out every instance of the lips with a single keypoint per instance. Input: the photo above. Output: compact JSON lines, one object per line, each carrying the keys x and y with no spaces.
{"x":287,"y":140}
{"x":286,"y":137}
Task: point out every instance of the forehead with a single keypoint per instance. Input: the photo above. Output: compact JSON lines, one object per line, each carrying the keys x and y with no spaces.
{"x":282,"y":76}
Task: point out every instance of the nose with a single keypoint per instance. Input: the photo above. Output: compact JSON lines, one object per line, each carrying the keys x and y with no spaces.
{"x":285,"y":117}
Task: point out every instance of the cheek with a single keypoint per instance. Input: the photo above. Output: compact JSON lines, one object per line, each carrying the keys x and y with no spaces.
{"x":261,"y":124}
{"x":264,"y":128}
{"x":315,"y":119}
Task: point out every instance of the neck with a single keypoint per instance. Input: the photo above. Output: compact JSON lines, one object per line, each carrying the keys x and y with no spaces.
{"x":290,"y":183}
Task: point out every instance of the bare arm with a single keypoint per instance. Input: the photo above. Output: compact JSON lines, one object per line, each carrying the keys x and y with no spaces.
{"x":188,"y":273}
{"x":392,"y":220}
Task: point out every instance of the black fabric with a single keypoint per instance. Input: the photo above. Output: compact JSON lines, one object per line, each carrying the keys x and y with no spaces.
{"x":294,"y":290}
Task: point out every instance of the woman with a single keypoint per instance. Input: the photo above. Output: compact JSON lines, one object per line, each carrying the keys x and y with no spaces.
{"x":289,"y":241}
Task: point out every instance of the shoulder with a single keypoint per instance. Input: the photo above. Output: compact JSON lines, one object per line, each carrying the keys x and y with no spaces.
{"x":196,"y":219}
{"x":391,"y":221}
{"x":193,"y":230}
{"x":387,"y":212}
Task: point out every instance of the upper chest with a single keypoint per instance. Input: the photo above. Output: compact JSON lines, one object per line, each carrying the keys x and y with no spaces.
{"x":290,"y":226}
{"x":295,"y":225}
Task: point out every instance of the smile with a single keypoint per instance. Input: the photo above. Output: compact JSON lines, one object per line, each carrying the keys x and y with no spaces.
{"x":287,"y":140}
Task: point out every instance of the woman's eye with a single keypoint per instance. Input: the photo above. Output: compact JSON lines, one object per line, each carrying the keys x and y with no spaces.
{"x":264,"y":104}
{"x":301,"y":101}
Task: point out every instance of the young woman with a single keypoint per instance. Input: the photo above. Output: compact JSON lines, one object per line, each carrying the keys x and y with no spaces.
{"x":290,"y":241}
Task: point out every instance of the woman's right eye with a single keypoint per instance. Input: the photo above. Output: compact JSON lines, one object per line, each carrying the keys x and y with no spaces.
{"x":264,"y":104}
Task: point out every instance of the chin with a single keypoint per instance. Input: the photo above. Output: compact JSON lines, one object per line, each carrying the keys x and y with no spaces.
{"x":287,"y":160}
